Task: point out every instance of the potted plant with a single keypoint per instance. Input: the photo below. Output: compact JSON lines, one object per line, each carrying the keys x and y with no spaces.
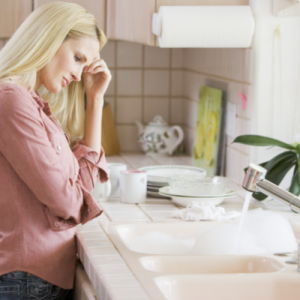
{"x":279,"y":165}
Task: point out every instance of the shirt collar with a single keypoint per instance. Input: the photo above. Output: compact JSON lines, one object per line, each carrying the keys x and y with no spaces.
{"x":41,"y":103}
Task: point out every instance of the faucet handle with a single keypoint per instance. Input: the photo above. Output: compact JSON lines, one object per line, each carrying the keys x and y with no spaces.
{"x":254,"y":174}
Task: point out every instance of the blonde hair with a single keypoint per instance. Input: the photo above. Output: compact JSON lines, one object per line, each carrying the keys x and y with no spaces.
{"x":34,"y":44}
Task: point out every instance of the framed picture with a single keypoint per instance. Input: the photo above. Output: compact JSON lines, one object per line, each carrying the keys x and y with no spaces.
{"x":209,"y":142}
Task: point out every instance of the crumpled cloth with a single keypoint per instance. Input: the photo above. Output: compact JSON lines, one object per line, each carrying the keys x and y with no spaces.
{"x":204,"y":211}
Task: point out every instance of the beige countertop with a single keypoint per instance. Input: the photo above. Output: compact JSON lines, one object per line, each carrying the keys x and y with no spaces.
{"x":111,"y":276}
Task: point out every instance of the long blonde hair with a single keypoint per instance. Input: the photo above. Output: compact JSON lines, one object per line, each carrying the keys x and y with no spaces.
{"x":34,"y":44}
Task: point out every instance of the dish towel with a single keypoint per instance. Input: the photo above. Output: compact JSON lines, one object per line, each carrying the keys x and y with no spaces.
{"x":204,"y":211}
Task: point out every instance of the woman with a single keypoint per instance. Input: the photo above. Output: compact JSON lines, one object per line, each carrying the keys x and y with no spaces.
{"x":45,"y":186}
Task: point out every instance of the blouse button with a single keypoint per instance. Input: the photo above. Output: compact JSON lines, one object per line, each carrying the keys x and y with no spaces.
{"x":58,"y":147}
{"x":56,"y":223}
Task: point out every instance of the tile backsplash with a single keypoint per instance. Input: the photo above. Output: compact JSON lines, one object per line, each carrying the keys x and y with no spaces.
{"x":147,"y":81}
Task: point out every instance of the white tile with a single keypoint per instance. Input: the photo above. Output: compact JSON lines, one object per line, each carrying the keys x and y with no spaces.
{"x":134,"y":293}
{"x":233,"y":164}
{"x":93,"y":235}
{"x":154,"y":107}
{"x":103,"y":251}
{"x":156,"y":57}
{"x":129,"y":110}
{"x":190,"y":113}
{"x":107,"y":261}
{"x":100,"y":242}
{"x":128,"y":135}
{"x":238,"y":64}
{"x":177,"y":57}
{"x":159,"y":208}
{"x":176,"y":83}
{"x":154,"y":201}
{"x":156,"y":83}
{"x":129,"y":54}
{"x":127,"y":215}
{"x":192,"y":84}
{"x":114,"y":270}
{"x":176,"y":116}
{"x":129,"y":82}
{"x":242,"y":128}
{"x":88,"y":228}
{"x":111,"y":87}
{"x":118,"y":281}
{"x":108,"y":54}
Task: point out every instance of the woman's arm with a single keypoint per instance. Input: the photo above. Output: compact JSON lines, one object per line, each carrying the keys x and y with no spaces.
{"x":96,"y":80}
{"x":93,"y":120}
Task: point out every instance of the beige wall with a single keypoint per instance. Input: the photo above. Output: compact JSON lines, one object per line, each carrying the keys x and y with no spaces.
{"x":148,"y":81}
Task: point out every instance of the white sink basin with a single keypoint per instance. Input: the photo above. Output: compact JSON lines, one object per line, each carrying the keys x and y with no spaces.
{"x":210,"y":264}
{"x":229,"y":287}
{"x":162,"y":238}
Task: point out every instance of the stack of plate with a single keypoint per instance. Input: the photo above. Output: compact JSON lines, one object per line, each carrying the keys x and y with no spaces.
{"x":157,"y":177}
{"x":184,"y":200}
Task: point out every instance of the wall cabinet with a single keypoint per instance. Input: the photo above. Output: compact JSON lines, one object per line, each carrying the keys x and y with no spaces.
{"x":95,"y":7}
{"x":12,"y":15}
{"x":131,"y":20}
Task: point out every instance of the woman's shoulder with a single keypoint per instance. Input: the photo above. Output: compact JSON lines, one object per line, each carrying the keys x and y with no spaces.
{"x":12,"y":87}
{"x":14,"y":96}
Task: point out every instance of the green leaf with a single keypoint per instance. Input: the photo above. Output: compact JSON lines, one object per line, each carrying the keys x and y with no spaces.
{"x":280,"y":158}
{"x":261,"y":141}
{"x":295,"y":185}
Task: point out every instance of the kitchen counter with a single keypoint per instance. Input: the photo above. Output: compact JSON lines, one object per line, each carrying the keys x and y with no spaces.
{"x":111,"y":277}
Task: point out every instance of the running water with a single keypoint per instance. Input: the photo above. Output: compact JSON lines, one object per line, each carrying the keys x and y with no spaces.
{"x":242,"y":219}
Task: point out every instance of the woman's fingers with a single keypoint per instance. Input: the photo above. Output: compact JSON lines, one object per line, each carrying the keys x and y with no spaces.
{"x":97,"y":63}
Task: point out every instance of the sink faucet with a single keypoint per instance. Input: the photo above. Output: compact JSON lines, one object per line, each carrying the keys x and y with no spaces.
{"x":255,"y":181}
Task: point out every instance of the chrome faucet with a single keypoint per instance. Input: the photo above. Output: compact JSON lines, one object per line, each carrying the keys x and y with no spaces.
{"x":255,"y":181}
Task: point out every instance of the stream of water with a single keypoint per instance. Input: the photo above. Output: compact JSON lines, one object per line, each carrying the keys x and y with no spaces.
{"x":242,"y":219}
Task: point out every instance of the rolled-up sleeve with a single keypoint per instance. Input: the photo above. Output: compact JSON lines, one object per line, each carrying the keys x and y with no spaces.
{"x":25,"y":144}
{"x":92,"y":167}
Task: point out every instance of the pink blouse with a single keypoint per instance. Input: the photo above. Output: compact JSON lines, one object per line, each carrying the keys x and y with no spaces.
{"x":45,"y":188}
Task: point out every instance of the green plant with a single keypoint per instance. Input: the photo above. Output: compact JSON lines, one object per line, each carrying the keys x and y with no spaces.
{"x":279,"y":165}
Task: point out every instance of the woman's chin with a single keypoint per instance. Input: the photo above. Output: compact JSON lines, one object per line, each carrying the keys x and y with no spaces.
{"x":54,"y":89}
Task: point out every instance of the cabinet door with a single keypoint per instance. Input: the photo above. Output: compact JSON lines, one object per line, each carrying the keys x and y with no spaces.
{"x":12,"y":15}
{"x":95,"y":7}
{"x":130,"y":20}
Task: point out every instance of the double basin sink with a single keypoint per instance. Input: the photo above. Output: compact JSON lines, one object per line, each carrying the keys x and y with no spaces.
{"x":171,"y":273}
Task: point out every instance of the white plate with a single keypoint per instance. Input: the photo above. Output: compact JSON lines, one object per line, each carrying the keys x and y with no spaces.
{"x":162,"y":173}
{"x":168,"y":191}
{"x":185,"y":201}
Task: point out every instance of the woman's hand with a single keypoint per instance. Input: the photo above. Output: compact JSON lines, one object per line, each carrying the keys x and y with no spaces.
{"x":96,"y":79}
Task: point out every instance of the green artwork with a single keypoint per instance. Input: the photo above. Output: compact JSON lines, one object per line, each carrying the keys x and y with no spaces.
{"x":207,"y":136}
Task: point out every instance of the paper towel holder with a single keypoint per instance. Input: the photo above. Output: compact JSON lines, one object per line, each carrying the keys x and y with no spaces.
{"x":156,"y":24}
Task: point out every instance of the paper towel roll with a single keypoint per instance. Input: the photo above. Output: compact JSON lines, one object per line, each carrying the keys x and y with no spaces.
{"x":204,"y":26}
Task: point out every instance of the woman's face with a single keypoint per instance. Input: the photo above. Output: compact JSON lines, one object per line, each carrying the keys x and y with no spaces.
{"x":68,"y":63}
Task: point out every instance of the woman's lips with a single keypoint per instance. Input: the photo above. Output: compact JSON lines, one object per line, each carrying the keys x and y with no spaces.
{"x":65,"y":82}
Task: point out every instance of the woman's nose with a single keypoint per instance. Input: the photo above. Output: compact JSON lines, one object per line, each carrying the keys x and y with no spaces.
{"x":76,"y":76}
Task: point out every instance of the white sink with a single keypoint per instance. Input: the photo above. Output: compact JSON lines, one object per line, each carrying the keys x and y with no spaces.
{"x":169,"y":273}
{"x":210,"y":264}
{"x":229,"y":287}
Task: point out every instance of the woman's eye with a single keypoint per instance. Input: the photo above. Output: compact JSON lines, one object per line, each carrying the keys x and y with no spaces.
{"x":77,"y":58}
